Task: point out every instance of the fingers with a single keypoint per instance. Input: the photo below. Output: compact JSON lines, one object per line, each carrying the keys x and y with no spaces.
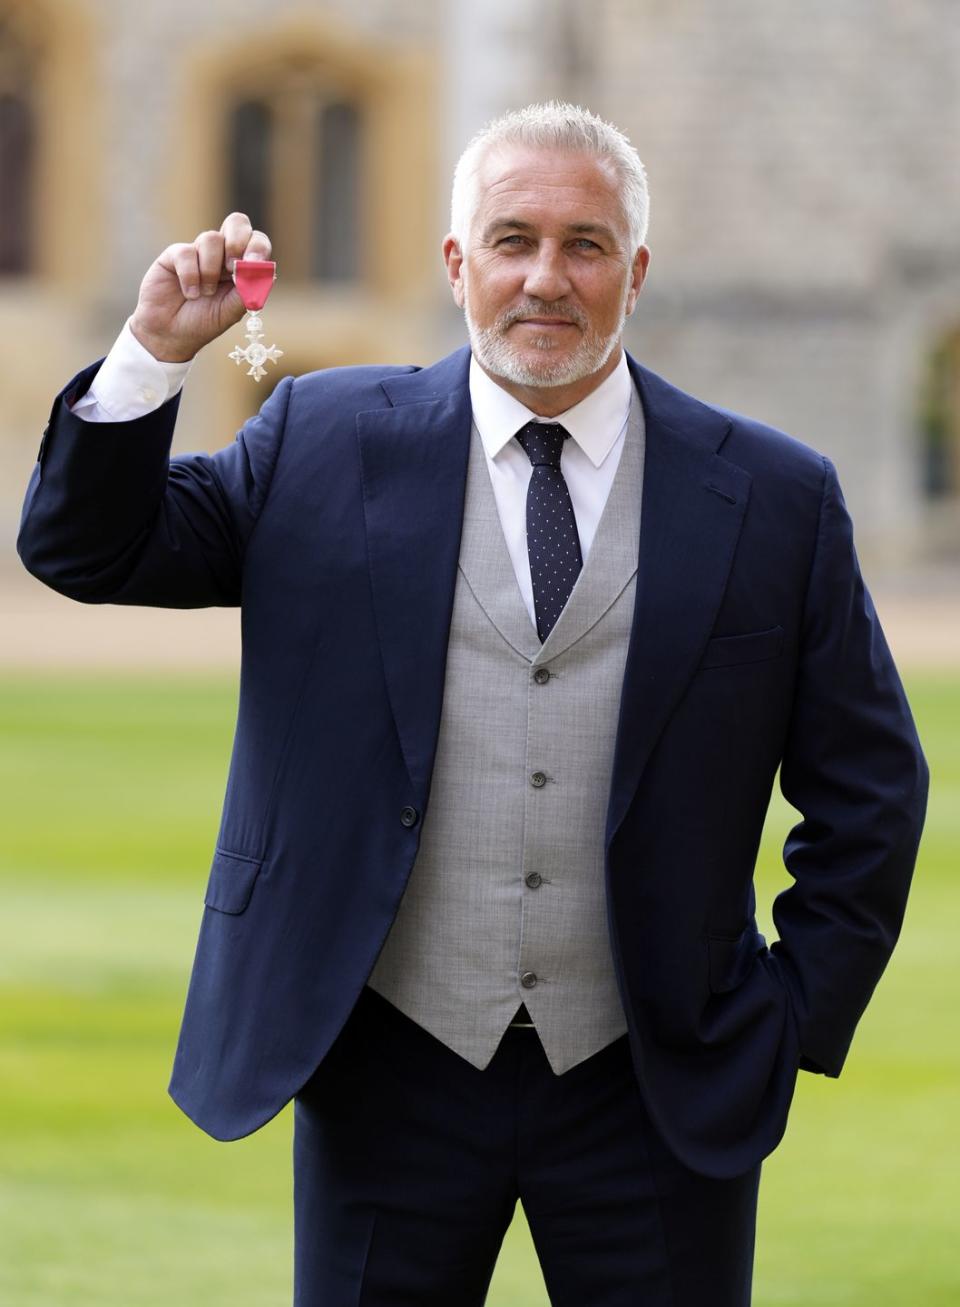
{"x":241,"y":241}
{"x":202,"y":265}
{"x":210,"y":260}
{"x":236,"y":231}
{"x":258,"y":246}
{"x":182,"y":261}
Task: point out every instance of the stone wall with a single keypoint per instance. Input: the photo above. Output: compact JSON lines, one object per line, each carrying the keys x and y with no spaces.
{"x":803,"y":168}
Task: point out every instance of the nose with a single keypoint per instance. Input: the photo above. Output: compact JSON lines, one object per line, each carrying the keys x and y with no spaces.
{"x":546,"y":277}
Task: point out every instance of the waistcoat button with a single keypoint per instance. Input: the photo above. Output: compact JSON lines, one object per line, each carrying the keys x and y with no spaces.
{"x":534,"y":880}
{"x":538,"y":780}
{"x":541,"y":676}
{"x":528,"y":979}
{"x":408,"y":816}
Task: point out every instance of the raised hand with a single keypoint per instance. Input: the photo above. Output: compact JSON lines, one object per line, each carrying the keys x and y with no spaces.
{"x":188,"y":298}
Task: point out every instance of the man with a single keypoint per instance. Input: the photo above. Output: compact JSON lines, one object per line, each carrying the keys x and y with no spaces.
{"x":527,"y":635}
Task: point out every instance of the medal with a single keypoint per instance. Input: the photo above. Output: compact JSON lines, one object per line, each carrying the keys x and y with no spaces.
{"x":254,"y":280}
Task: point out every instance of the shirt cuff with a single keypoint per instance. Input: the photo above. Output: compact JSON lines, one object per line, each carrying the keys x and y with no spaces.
{"x":130,"y":384}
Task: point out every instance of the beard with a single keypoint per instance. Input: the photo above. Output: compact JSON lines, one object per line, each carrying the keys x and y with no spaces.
{"x":537,"y":364}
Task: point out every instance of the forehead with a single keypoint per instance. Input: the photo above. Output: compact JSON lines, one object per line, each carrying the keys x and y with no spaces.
{"x":545,"y":185}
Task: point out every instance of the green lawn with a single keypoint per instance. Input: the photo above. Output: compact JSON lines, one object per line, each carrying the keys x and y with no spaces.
{"x":110,"y":790}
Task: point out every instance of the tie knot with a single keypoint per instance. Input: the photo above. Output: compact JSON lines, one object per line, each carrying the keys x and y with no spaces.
{"x":542,"y":442}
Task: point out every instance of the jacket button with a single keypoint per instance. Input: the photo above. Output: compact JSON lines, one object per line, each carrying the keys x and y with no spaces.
{"x":528,"y":979}
{"x":408,"y":816}
{"x":538,"y":780}
{"x":534,"y":880}
{"x":541,"y":676}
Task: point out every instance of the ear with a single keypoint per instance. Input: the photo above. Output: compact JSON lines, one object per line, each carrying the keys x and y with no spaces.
{"x":453,"y":258}
{"x":641,"y":262}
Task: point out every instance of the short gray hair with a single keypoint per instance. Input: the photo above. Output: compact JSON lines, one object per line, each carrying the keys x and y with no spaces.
{"x":558,"y":126}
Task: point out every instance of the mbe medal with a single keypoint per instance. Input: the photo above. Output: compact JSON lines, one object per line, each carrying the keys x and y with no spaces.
{"x":254,"y":280}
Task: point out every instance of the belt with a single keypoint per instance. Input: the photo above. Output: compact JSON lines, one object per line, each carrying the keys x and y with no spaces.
{"x":521,"y":1020}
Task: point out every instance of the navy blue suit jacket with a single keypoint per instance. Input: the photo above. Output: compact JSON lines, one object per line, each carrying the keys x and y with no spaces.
{"x":334,"y":520}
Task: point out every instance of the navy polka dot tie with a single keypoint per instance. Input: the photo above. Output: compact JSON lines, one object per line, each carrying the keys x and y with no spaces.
{"x":552,"y":541}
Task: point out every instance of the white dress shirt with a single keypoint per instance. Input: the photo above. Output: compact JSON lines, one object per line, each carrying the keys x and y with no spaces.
{"x":132,"y":383}
{"x":589,"y":460}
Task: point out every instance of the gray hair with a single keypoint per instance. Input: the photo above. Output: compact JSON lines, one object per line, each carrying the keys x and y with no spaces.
{"x":558,"y":126}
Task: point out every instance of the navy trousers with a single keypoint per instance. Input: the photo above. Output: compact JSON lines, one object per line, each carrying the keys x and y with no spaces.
{"x":408,"y":1164}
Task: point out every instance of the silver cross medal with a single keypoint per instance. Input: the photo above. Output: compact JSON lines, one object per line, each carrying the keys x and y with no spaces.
{"x":254,"y":280}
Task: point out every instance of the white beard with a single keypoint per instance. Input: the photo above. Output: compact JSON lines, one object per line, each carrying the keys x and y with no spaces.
{"x":494,"y":351}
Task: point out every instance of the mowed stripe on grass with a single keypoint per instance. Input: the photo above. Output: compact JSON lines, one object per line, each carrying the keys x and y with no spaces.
{"x":110,"y":789}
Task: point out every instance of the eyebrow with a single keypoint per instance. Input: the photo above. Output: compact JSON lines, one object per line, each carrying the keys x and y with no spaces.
{"x":575,"y":228}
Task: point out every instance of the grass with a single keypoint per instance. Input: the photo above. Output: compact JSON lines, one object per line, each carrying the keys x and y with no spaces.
{"x":110,"y":789}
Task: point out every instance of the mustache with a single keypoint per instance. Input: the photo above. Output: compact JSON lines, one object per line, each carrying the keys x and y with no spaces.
{"x":539,"y":309}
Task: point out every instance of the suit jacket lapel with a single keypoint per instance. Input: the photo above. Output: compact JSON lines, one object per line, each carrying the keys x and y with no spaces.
{"x":414,"y":465}
{"x":414,"y":459}
{"x":692,"y":512}
{"x":485,"y":560}
{"x":612,"y":561}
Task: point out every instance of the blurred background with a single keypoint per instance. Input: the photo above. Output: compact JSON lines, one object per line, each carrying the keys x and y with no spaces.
{"x":804,"y":166}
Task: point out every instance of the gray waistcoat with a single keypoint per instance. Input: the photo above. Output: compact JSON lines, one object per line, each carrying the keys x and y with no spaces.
{"x":506,"y":901}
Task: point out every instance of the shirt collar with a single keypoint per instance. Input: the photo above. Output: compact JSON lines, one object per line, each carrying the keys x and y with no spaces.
{"x":594,"y":423}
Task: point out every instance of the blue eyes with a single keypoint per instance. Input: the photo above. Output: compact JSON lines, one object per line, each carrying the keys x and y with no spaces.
{"x":515,"y":241}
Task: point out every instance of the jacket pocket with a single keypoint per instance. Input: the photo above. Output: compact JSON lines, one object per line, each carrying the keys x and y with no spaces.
{"x":753,"y":647}
{"x":731,"y":958}
{"x":232,"y":877}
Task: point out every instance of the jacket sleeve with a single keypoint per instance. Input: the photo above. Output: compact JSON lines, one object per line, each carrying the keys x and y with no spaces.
{"x":110,"y":517}
{"x":854,"y":769}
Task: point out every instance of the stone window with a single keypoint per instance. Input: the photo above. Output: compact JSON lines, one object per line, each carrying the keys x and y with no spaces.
{"x":18,"y":60}
{"x":294,"y":159}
